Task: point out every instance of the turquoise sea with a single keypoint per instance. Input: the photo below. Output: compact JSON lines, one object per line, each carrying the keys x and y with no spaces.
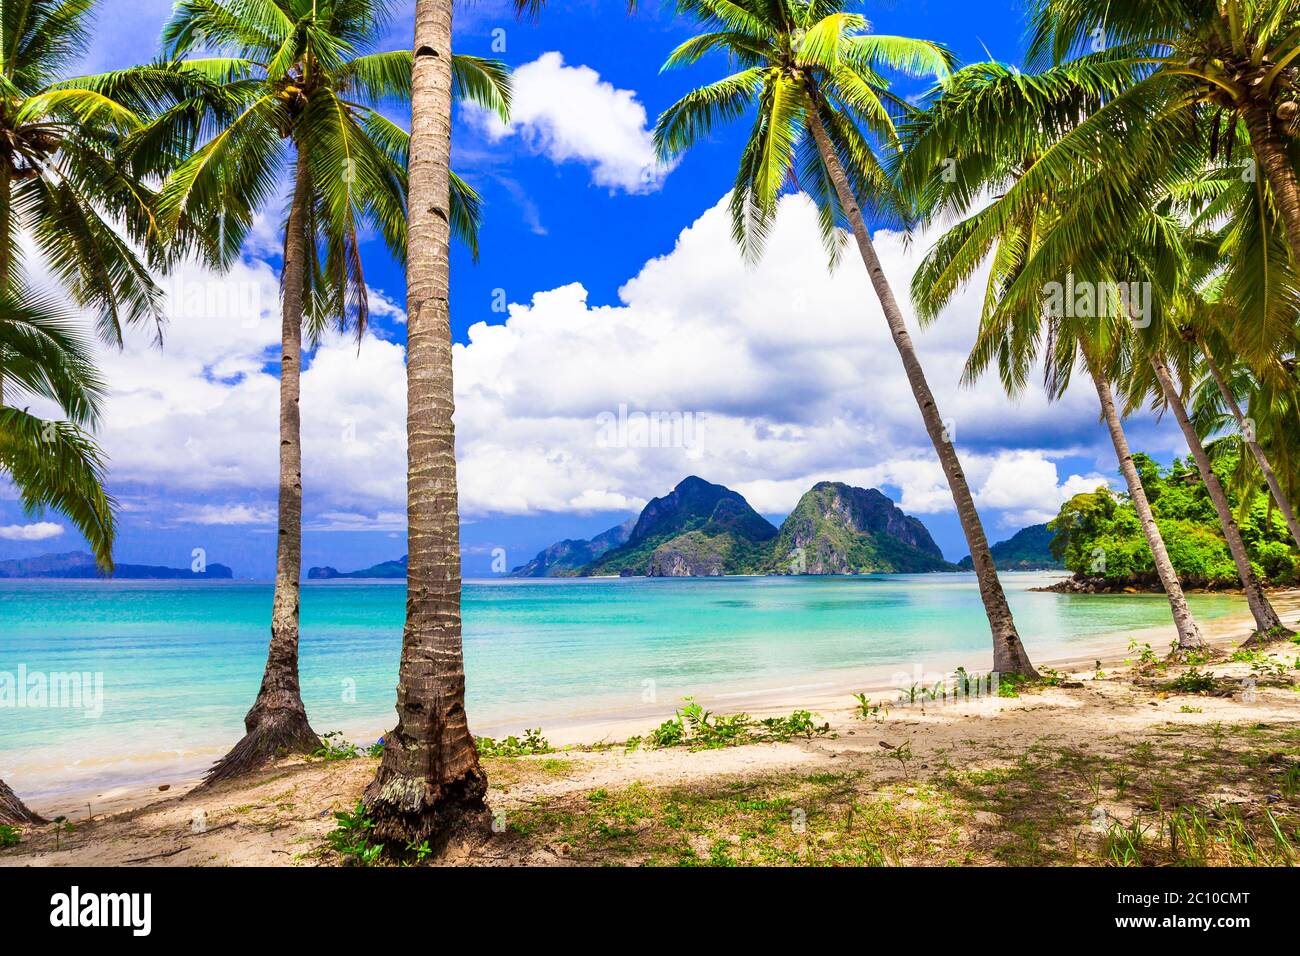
{"x":180,"y":662}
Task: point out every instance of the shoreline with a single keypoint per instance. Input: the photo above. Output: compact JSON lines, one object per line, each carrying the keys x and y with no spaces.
{"x":819,"y":692}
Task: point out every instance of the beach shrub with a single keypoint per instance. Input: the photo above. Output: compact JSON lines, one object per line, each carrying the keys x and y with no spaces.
{"x":9,"y":836}
{"x":334,"y":747}
{"x":351,"y":838}
{"x":700,"y":728}
{"x":867,"y":710}
{"x":1192,"y":682}
{"x":532,"y":742}
{"x":798,"y":724}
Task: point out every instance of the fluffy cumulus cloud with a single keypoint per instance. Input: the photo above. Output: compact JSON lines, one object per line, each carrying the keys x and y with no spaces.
{"x":38,"y":531}
{"x":569,"y":114}
{"x":766,"y":379}
{"x":191,"y":430}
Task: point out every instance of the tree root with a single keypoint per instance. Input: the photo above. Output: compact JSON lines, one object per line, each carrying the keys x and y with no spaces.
{"x":271,"y":734}
{"x":409,"y":812}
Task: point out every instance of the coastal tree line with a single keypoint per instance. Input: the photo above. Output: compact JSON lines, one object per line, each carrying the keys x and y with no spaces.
{"x":1143,"y":158}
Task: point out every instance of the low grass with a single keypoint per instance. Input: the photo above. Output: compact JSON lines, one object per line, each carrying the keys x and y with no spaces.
{"x":1221,"y":795}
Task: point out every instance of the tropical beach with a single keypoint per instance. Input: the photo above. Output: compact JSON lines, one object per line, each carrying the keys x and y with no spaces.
{"x":639,"y":649}
{"x":569,"y":803}
{"x":536,"y":434}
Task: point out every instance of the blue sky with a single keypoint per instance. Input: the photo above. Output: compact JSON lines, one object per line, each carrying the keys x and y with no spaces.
{"x":621,"y":289}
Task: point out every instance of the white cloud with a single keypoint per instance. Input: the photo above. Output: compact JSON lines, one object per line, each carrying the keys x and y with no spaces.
{"x":789,"y":373}
{"x":570,"y":114}
{"x":355,"y":521}
{"x":1026,"y":487}
{"x":39,"y":531}
{"x":233,"y":514}
{"x":786,"y":373}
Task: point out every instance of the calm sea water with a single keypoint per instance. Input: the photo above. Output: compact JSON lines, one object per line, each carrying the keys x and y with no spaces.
{"x":181,"y":662}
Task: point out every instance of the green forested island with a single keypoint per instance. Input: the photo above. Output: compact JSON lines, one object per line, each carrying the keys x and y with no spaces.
{"x":1097,"y":535}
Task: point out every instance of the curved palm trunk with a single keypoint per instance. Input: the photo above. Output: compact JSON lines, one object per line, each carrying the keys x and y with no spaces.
{"x":1189,"y":635}
{"x":1009,"y":655}
{"x":1267,"y":624}
{"x":1271,"y":154}
{"x":1270,"y":478}
{"x":429,"y":785}
{"x":277,"y":723}
{"x":13,"y":810}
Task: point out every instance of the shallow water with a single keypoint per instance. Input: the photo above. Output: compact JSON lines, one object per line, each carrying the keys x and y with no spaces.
{"x":180,"y":662}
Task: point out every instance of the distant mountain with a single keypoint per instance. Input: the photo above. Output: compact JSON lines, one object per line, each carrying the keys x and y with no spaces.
{"x":566,"y":558}
{"x":80,"y":565}
{"x":385,"y":569}
{"x":1029,"y":549}
{"x":839,"y":529}
{"x":697,"y":529}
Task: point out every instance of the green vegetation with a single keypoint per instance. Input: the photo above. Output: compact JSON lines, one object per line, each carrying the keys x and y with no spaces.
{"x":9,"y":836}
{"x":1097,"y":533}
{"x":351,"y":838}
{"x":1029,"y":549}
{"x":700,"y":729}
{"x":335,"y":747}
{"x":1141,"y":803}
{"x":531,"y":743}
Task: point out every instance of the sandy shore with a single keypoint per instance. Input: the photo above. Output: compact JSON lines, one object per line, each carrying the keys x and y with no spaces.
{"x":282,"y":815}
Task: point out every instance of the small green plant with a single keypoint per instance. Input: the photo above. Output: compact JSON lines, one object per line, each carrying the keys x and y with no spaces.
{"x":798,"y":724}
{"x":669,"y":734}
{"x":62,"y":825}
{"x":1146,"y":657}
{"x":700,"y":728}
{"x":531,"y":743}
{"x":1192,"y":682}
{"x":1009,"y":685}
{"x":1188,"y":709}
{"x":9,"y":836}
{"x":902,"y":753}
{"x":418,"y":852}
{"x":869,"y":711}
{"x":351,"y":838}
{"x":1051,"y":677}
{"x":334,"y":747}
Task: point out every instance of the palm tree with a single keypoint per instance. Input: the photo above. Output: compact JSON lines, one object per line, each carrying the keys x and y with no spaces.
{"x":66,"y":184}
{"x":992,"y":127}
{"x":1233,"y":60}
{"x":309,"y":91}
{"x":1262,"y":416}
{"x":13,"y":810}
{"x":816,"y":76}
{"x":429,"y":786}
{"x":1242,"y":302}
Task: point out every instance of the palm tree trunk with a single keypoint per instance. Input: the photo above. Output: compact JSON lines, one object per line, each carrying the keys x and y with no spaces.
{"x":1271,"y":154}
{"x":430,"y":785}
{"x":1247,"y":433}
{"x":1267,"y":624}
{"x":13,"y":810}
{"x":1009,"y":656}
{"x":277,"y":723}
{"x":1189,"y":635}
